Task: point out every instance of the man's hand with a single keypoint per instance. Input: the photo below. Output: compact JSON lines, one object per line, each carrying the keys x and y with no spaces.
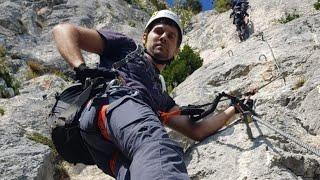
{"x":231,"y":14}
{"x":83,"y":72}
{"x":245,"y":105}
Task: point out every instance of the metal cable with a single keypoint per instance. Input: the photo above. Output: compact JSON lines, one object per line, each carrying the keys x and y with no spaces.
{"x":274,"y":58}
{"x":288,"y":136}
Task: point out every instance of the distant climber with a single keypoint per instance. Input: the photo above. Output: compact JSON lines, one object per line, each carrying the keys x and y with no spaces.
{"x":240,"y":17}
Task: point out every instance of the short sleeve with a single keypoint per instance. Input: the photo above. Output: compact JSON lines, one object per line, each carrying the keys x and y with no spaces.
{"x":117,"y":45}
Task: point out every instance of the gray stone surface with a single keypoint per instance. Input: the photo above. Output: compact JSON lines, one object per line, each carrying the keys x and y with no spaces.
{"x":10,"y":19}
{"x":22,"y":158}
{"x":25,"y":31}
{"x":8,"y":92}
{"x":24,"y":115}
{"x":3,"y":83}
{"x":288,"y":106}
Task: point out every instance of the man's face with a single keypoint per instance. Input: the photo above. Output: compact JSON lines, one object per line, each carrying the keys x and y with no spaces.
{"x":161,"y":41}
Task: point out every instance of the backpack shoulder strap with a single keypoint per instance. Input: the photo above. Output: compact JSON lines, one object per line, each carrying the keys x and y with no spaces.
{"x":76,"y":105}
{"x":128,"y":58}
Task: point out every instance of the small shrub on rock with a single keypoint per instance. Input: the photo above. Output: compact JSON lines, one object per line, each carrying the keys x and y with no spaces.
{"x":184,"y":64}
{"x":59,"y":170}
{"x":317,"y":5}
{"x":222,"y":5}
{"x":158,"y":5}
{"x":185,"y":16}
{"x":289,"y":17}
{"x":10,"y":81}
{"x":1,"y":111}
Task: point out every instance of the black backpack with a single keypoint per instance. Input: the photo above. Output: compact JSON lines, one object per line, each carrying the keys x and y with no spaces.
{"x":65,"y":114}
{"x":64,"y":120}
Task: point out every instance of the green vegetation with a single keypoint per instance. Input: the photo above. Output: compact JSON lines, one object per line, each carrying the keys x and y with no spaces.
{"x":35,"y":69}
{"x":2,"y":51}
{"x":186,"y":9}
{"x":222,"y":5}
{"x":185,"y":16}
{"x":30,"y":75}
{"x":1,"y":111}
{"x":129,"y":1}
{"x":184,"y":64}
{"x":61,"y":74}
{"x":289,"y":17}
{"x":132,"y":24}
{"x":158,"y":5}
{"x":192,"y":5}
{"x":59,"y":170}
{"x":138,"y":3}
{"x":5,"y":73}
{"x":142,"y":5}
{"x":317,"y":5}
{"x":39,"y":138}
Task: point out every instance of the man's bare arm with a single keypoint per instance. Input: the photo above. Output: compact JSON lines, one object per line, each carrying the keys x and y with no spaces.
{"x":71,"y":39}
{"x":201,"y":129}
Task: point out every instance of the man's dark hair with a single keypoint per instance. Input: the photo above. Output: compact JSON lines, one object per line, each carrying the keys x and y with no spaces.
{"x":165,"y":21}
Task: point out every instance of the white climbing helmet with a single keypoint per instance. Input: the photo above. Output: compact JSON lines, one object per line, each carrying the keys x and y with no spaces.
{"x":166,"y":14}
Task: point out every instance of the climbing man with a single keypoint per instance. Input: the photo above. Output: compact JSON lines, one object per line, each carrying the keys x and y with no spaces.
{"x":240,"y":16}
{"x":126,"y":138}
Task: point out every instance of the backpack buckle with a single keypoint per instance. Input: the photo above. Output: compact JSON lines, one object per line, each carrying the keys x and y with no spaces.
{"x":113,"y":83}
{"x":54,"y":122}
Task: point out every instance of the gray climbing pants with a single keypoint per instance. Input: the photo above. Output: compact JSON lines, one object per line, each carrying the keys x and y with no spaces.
{"x":138,"y":148}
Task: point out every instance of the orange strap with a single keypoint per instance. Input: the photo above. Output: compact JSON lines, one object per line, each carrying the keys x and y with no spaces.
{"x":113,"y":163}
{"x":165,"y":116}
{"x":102,"y":119}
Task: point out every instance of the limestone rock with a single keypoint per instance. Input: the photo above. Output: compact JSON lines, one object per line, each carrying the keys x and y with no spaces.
{"x":289,"y":104}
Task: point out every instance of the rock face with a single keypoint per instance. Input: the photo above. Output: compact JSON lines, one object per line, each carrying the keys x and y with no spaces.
{"x":25,"y":33}
{"x":291,"y":105}
{"x":25,"y":114}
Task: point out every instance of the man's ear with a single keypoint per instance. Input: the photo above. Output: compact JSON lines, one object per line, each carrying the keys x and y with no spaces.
{"x":144,"y":39}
